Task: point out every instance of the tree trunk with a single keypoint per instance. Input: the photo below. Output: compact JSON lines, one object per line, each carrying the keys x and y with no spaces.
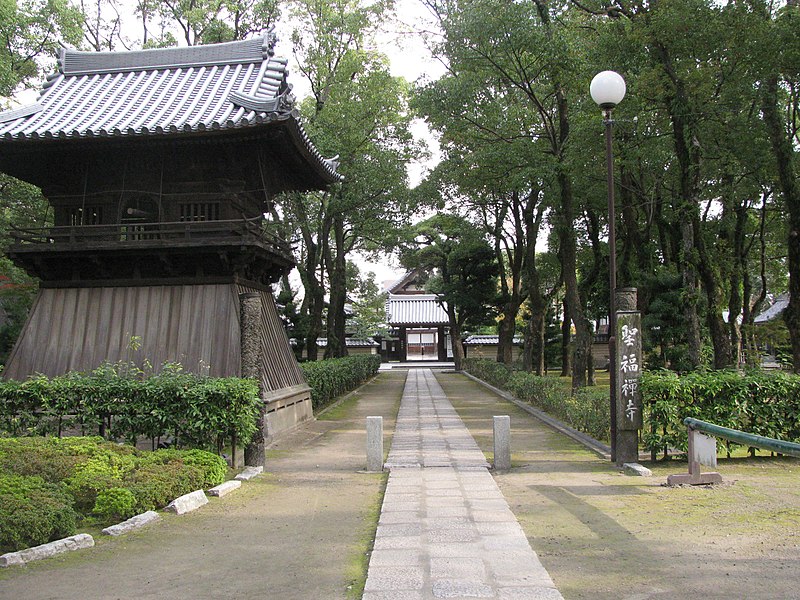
{"x":536,"y":329}
{"x":506,"y":330}
{"x":569,"y":266}
{"x":455,"y":341}
{"x":337,"y":267}
{"x":720,"y":338}
{"x":566,"y":342}
{"x":790,"y":190}
{"x":689,"y":281}
{"x":687,"y":151}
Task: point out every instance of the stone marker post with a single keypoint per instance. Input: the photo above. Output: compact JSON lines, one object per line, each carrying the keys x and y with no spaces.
{"x":375,"y":444}
{"x":502,"y":442}
{"x":628,"y":377}
{"x":249,"y":320}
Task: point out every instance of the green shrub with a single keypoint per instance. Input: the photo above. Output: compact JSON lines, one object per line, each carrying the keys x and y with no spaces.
{"x":33,"y":512}
{"x":37,"y":456}
{"x":114,"y":505}
{"x":588,"y":410}
{"x":124,"y":403}
{"x":490,"y":371}
{"x":213,"y":466}
{"x":757,"y":402}
{"x":331,"y":378}
{"x":156,"y":485}
{"x":91,"y":478}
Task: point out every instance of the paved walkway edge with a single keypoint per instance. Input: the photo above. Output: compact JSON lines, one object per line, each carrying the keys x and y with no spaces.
{"x":596,"y":446}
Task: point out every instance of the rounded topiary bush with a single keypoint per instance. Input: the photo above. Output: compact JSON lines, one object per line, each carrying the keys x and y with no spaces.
{"x":114,"y":504}
{"x":214,"y":467}
{"x":33,"y":512}
{"x":156,"y":485}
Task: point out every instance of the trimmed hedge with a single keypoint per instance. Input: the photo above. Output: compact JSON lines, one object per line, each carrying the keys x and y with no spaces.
{"x":333,"y":377}
{"x":119,"y":402}
{"x":587,"y":410}
{"x":758,"y":402}
{"x":92,"y":478}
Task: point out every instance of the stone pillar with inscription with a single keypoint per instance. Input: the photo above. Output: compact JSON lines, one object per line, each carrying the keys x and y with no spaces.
{"x":629,"y":373}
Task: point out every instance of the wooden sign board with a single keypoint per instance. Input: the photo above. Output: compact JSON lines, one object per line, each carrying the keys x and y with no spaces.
{"x":704,"y":449}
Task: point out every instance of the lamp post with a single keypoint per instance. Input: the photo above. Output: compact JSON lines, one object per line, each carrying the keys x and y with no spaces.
{"x":607,"y":90}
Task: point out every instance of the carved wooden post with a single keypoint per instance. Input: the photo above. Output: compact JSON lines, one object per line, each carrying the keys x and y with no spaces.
{"x":249,"y":319}
{"x":628,"y":376}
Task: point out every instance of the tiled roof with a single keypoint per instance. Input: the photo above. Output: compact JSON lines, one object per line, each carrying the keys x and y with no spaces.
{"x":489,"y":340}
{"x":348,"y":342}
{"x":415,"y":309}
{"x":165,"y":91}
{"x":774,"y":311}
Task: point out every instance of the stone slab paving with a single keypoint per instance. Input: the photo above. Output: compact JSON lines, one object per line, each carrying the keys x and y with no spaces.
{"x":445,"y":530}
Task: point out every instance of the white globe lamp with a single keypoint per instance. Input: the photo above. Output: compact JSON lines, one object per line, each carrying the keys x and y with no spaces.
{"x":607,"y":89}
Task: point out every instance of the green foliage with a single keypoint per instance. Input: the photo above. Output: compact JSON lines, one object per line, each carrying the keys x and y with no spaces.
{"x":101,"y":472}
{"x":757,"y":402}
{"x":587,"y":410}
{"x":32,"y":512}
{"x":333,"y":377}
{"x":114,"y":505}
{"x":213,"y":466}
{"x":192,"y":410}
{"x":155,"y":485}
{"x":490,"y":371}
{"x":31,"y":33}
{"x":58,"y":480}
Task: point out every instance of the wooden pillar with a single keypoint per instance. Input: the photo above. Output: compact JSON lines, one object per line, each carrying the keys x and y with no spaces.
{"x":249,"y":322}
{"x":441,"y":347}
{"x":403,"y":344}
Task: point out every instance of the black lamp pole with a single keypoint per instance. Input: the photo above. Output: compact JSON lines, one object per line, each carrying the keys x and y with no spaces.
{"x":608,"y":90}
{"x":612,"y":282}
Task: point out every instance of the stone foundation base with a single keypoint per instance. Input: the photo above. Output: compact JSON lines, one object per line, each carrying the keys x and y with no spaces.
{"x":287,"y":411}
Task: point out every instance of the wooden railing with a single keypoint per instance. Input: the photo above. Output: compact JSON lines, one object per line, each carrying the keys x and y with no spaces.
{"x":134,"y":232}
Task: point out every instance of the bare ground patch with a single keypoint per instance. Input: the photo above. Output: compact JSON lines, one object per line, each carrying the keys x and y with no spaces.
{"x":298,"y":532}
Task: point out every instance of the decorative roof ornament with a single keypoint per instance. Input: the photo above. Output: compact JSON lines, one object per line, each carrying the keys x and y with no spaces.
{"x":270,"y":41}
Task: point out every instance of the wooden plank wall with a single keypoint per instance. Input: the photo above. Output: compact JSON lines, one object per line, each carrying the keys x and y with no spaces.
{"x":79,"y":328}
{"x":279,"y":366}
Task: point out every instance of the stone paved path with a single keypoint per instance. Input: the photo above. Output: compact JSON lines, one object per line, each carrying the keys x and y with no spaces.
{"x":445,"y":530}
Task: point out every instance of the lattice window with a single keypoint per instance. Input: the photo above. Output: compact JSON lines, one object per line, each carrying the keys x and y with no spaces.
{"x":85,"y":215}
{"x":199,"y":211}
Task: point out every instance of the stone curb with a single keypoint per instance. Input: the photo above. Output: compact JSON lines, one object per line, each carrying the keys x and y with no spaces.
{"x":75,"y":542}
{"x":180,"y":505}
{"x":589,"y":442}
{"x":187,"y":503}
{"x":637,"y":470}
{"x":133,"y":523}
{"x":248,"y":473}
{"x":225,"y":488}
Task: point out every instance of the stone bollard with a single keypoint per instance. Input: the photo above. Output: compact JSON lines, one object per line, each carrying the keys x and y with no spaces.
{"x":375,"y":444}
{"x":502,"y":443}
